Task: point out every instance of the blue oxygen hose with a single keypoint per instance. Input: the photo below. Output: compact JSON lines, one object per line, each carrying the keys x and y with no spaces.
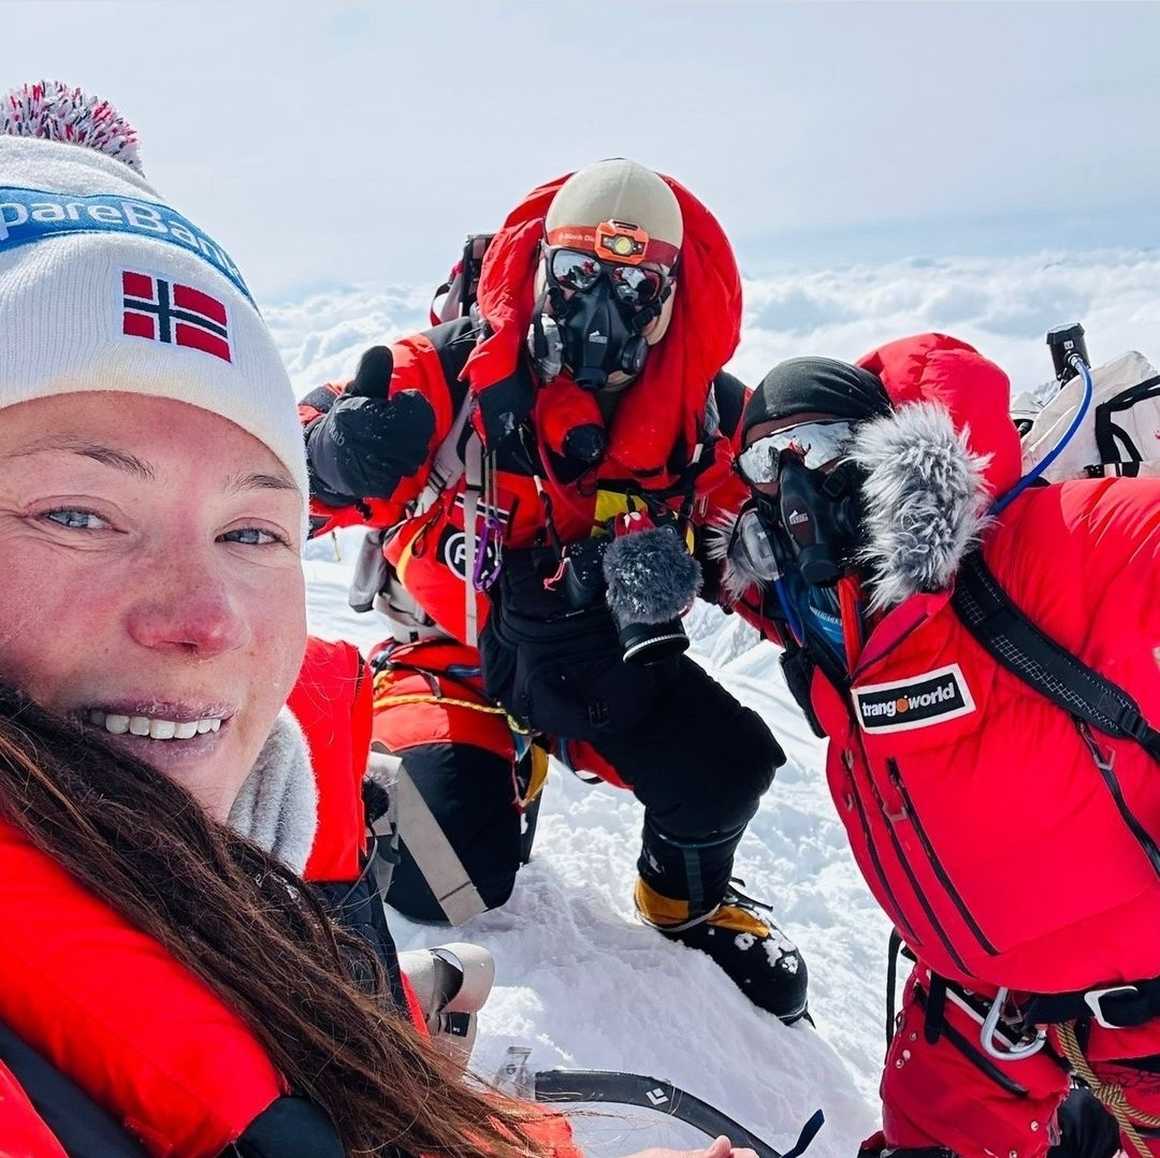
{"x":793,"y":620}
{"x":1081,"y":368}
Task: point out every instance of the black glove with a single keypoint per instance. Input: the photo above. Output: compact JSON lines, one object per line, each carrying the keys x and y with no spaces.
{"x":366,"y":442}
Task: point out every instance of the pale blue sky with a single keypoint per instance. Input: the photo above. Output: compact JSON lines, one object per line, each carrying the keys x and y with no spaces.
{"x":354,"y":142}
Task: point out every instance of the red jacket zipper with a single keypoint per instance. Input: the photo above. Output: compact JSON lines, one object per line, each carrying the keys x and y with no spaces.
{"x":854,"y":801}
{"x":939,"y":871}
{"x":890,"y":820}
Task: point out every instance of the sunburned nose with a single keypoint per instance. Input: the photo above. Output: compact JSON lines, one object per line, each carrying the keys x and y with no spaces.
{"x":200,"y":623}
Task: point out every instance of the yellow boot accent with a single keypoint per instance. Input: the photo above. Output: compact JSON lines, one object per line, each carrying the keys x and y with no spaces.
{"x":738,"y":920}
{"x":668,"y":913}
{"x":664,"y":912}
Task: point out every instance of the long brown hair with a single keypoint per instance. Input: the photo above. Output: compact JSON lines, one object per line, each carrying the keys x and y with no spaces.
{"x":254,"y":933}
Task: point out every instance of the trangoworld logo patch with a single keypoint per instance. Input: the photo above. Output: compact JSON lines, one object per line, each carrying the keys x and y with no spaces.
{"x":932,"y":697}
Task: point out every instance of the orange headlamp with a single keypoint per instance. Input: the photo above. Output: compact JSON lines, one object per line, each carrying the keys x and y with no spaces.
{"x":618,"y":241}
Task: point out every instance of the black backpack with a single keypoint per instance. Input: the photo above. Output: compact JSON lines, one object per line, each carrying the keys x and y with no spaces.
{"x":1013,"y":641}
{"x":459,"y":291}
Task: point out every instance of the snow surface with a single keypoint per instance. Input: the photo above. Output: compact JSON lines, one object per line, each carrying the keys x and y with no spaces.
{"x":579,"y":980}
{"x":584,"y":984}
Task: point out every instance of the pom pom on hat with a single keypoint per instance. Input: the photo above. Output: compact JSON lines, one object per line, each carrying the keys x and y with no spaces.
{"x":52,"y":111}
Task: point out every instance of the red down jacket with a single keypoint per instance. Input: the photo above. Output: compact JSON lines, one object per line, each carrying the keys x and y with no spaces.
{"x":981,"y":821}
{"x":114,"y":1012}
{"x":23,"y":1133}
{"x":659,"y":437}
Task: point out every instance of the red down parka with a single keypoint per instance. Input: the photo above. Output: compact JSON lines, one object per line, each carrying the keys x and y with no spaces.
{"x":109,"y":1007}
{"x":986,"y":831}
{"x":23,"y":1133}
{"x":659,"y":436}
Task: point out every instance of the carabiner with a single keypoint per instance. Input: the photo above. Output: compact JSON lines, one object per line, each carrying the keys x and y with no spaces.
{"x":991,"y":1025}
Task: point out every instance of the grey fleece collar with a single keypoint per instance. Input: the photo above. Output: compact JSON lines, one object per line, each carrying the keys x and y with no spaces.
{"x":277,"y":807}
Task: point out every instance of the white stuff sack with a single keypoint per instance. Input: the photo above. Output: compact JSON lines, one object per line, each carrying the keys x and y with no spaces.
{"x":1120,"y":433}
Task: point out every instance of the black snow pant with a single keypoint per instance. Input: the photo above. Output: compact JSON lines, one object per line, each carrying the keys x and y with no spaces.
{"x":699,"y":762}
{"x":697,"y":759}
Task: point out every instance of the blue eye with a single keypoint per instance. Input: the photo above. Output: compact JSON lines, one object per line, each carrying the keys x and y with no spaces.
{"x":252,"y":537}
{"x":76,"y":519}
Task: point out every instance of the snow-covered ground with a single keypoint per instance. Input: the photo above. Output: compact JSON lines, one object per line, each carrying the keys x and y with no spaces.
{"x":580,"y":981}
{"x":584,"y":984}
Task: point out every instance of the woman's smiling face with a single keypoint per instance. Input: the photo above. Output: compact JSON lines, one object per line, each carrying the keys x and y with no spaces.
{"x":152,"y":587}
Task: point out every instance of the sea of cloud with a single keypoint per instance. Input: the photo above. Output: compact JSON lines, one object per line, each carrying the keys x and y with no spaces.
{"x":1003,"y":306}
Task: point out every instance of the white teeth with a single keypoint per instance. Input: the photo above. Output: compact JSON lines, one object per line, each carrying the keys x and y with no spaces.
{"x":154,"y":729}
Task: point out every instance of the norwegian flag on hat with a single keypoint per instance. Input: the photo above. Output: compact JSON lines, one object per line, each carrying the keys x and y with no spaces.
{"x":166,"y":311}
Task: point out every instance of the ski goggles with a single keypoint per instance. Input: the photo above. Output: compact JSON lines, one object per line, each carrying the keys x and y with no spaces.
{"x":816,"y":444}
{"x":635,"y":286}
{"x":751,"y":548}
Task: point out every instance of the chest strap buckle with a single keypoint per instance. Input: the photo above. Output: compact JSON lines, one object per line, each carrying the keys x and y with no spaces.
{"x":1093,"y":998}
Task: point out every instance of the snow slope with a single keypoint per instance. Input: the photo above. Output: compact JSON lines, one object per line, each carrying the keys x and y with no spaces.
{"x":579,"y":980}
{"x":584,"y":984}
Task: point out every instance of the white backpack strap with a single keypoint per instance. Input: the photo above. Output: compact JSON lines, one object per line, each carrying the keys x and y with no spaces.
{"x":432,"y":852}
{"x":447,"y":466}
{"x":371,"y":571}
{"x":383,"y":769}
{"x":473,"y":487}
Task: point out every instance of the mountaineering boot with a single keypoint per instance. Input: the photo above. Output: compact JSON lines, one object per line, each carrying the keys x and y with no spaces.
{"x":451,"y":983}
{"x":686,"y":891}
{"x":761,"y":961}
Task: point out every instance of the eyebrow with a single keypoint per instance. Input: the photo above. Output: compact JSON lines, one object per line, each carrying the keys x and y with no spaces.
{"x":139,"y":468}
{"x":259,"y":481}
{"x":106,"y":455}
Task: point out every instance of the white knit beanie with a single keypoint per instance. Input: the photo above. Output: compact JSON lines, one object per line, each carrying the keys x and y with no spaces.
{"x":616,"y":190}
{"x":105,"y":287}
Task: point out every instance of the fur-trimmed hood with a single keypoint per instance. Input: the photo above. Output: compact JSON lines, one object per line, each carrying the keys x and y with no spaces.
{"x":935,"y":464}
{"x":924,"y":499}
{"x":932,"y":466}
